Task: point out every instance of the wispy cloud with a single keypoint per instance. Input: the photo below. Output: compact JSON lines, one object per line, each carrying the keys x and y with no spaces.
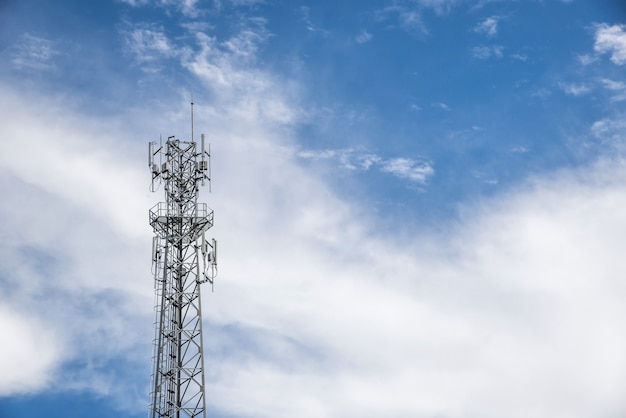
{"x":408,"y":13}
{"x":617,"y":87}
{"x":610,"y":130}
{"x":487,"y":51}
{"x":613,"y":85}
{"x":575,"y":89}
{"x":135,"y":3}
{"x":227,"y":69}
{"x":489,"y":26}
{"x":611,"y":40}
{"x":441,"y":106}
{"x":439,"y":6}
{"x":363,"y":37}
{"x":520,"y":149}
{"x":33,"y":53}
{"x":586,"y":59}
{"x":188,"y":8}
{"x":541,"y":93}
{"x":246,"y":42}
{"x":407,"y":17}
{"x":149,"y":46}
{"x":415,"y":170}
{"x":310,"y":25}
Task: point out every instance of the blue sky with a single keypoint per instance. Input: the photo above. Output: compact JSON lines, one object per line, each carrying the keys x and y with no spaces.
{"x":419,"y":204}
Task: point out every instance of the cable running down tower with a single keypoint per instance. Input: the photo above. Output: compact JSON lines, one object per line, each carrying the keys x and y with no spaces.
{"x":182,"y":260}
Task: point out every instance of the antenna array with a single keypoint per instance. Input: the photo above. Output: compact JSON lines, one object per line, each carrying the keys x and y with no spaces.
{"x":182,"y":260}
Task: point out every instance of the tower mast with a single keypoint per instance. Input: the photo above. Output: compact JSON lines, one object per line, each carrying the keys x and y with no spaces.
{"x":182,"y":260}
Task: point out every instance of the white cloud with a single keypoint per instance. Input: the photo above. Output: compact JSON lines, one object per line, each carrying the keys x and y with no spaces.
{"x":315,"y":304}
{"x":489,"y":26}
{"x":189,"y":7}
{"x":409,"y":13}
{"x":28,"y":354}
{"x":441,"y":105}
{"x":613,"y":85}
{"x":149,"y":46}
{"x":411,"y":20}
{"x":225,"y":68}
{"x":586,"y":59}
{"x":542,"y":93}
{"x":246,"y":42}
{"x":617,"y":87}
{"x":247,"y":2}
{"x":135,"y":3}
{"x":612,"y":40}
{"x":310,"y":26}
{"x":418,"y":171}
{"x":610,"y":130}
{"x":485,"y":52}
{"x":363,"y":37}
{"x":439,"y":6}
{"x":186,"y":7}
{"x":318,"y":155}
{"x":575,"y":89}
{"x":408,"y":17}
{"x":72,"y":249}
{"x":520,"y":149}
{"x":33,"y":53}
{"x":528,"y":286}
{"x":357,"y":161}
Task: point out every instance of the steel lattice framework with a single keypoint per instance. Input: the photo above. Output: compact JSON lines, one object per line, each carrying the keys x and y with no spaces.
{"x":182,"y":260}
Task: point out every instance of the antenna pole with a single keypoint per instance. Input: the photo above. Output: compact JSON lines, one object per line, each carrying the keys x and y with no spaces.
{"x":192,"y":118}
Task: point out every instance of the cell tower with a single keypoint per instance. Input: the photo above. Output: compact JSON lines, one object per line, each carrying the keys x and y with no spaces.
{"x":182,"y":260}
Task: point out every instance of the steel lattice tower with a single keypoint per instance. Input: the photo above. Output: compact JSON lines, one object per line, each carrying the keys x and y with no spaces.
{"x":182,"y":259}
